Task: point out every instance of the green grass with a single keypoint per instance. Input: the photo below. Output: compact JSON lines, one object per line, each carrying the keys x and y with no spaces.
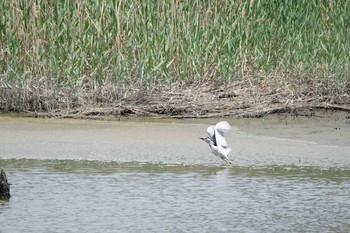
{"x":70,"y":45}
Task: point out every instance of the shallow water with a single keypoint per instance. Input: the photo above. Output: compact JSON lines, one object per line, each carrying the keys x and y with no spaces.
{"x":144,"y":176}
{"x":91,"y":196}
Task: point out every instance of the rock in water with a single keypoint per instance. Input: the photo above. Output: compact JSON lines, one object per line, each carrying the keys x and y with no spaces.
{"x":4,"y":186}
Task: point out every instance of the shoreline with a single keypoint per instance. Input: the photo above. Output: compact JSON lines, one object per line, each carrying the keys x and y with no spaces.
{"x":320,"y":141}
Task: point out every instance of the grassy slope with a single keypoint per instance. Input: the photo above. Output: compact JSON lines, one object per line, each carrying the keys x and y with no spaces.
{"x":67,"y":54}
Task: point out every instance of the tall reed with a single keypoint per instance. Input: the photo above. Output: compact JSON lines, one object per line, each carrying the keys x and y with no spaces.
{"x":131,"y":43}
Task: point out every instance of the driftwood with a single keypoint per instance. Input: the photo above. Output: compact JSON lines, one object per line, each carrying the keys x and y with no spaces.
{"x":4,"y":186}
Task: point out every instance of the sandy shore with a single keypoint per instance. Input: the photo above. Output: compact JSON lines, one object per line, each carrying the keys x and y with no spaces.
{"x":322,"y":141}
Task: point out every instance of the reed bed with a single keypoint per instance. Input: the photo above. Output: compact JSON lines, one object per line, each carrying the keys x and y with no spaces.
{"x":68,"y":54}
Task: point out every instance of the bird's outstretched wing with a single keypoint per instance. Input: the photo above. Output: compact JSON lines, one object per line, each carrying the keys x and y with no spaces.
{"x":211,"y":131}
{"x":219,"y":130}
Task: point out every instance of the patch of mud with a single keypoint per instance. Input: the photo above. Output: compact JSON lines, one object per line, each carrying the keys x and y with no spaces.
{"x":254,"y":142}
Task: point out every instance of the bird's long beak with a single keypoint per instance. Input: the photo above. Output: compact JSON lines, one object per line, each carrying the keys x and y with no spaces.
{"x":203,"y":138}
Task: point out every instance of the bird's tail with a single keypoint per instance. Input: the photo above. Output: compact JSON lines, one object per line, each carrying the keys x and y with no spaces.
{"x":224,"y":153}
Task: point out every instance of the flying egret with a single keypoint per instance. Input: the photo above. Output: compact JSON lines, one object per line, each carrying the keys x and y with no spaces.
{"x":216,"y":140}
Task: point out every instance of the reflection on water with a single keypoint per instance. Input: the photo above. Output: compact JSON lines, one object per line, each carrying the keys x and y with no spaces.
{"x":89,"y":196}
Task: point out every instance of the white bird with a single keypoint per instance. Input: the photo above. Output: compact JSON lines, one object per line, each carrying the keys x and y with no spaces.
{"x":217,"y":141}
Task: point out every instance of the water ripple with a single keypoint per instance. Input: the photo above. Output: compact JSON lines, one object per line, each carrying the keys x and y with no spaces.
{"x":81,"y":196}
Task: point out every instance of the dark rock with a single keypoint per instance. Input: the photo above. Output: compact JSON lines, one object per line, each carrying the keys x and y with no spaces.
{"x":4,"y":186}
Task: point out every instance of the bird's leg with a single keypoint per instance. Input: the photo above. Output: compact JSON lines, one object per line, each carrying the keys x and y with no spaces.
{"x":228,"y":161}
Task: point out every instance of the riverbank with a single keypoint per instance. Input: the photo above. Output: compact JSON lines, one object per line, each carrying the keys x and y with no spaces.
{"x":290,"y":141}
{"x":246,"y":98}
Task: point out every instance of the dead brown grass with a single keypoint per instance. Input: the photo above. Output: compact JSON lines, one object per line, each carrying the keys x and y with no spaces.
{"x":249,"y":97}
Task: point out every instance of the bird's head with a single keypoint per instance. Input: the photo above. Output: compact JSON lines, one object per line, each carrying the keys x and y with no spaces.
{"x":207,"y":140}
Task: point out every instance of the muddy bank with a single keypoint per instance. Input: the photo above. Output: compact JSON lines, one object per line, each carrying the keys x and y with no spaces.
{"x":245,"y":98}
{"x":301,"y":141}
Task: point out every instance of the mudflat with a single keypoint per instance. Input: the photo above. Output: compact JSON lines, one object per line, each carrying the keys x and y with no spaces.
{"x":322,"y":140}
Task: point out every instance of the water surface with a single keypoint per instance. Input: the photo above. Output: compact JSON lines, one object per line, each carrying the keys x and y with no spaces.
{"x":92,"y":196}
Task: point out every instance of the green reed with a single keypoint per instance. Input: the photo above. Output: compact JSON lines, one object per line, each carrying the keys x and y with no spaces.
{"x":134,"y":43}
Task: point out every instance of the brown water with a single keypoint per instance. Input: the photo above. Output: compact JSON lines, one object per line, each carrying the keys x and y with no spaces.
{"x":290,"y":175}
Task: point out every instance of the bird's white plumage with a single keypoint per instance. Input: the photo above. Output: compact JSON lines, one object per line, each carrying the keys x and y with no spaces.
{"x":217,"y":141}
{"x":221,"y":128}
{"x":211,"y":130}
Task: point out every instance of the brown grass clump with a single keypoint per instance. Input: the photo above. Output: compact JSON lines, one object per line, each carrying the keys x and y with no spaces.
{"x":248,"y":97}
